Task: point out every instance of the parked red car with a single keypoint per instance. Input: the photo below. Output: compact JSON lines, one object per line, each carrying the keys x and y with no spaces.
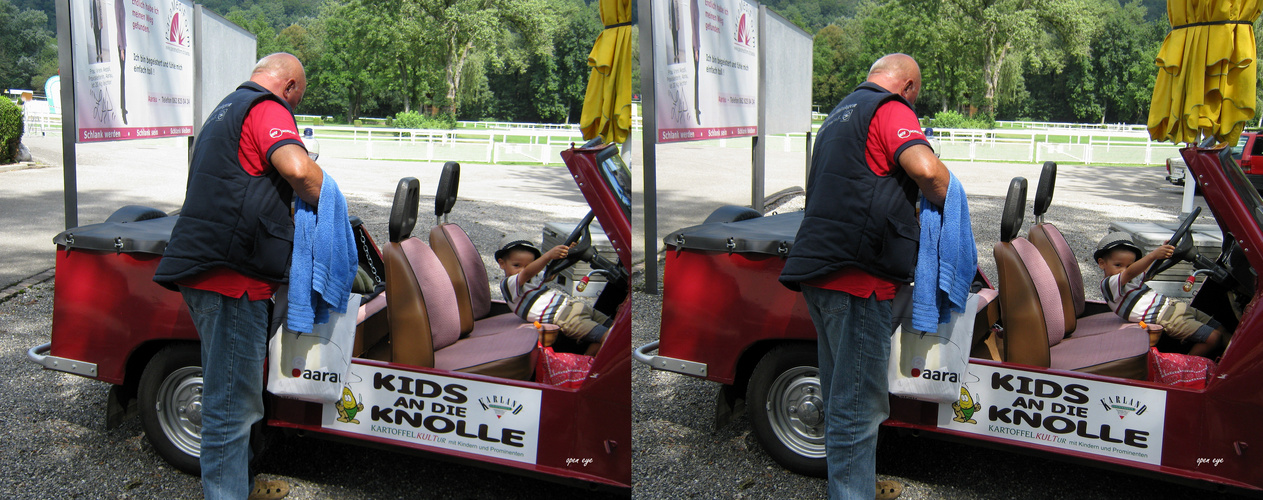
{"x":414,"y":385}
{"x":1248,"y":153}
{"x":1049,"y":373}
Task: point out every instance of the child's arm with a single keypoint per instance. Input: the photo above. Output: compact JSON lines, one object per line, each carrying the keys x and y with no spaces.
{"x":537,"y":265}
{"x":1141,"y":265}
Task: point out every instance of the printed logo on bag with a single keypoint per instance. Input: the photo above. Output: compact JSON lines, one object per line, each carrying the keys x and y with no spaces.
{"x":919,"y":371}
{"x":298,"y":370}
{"x":500,"y":405}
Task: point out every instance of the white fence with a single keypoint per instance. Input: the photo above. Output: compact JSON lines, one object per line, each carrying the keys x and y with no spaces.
{"x":504,"y":142}
{"x":38,"y":119}
{"x":484,"y":145}
{"x":1092,"y":146}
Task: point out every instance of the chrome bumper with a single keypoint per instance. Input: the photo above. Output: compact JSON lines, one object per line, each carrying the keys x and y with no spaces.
{"x":39,"y":355}
{"x":664,"y":363}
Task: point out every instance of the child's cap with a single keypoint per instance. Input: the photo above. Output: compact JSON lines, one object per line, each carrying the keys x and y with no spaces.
{"x":1114,"y":241}
{"x":516,"y":240}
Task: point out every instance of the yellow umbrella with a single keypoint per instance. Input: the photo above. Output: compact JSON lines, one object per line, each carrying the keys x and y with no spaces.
{"x":607,"y":105}
{"x":1207,"y":74}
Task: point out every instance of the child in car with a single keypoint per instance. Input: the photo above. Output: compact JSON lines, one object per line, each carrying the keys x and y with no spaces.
{"x":523,"y":288}
{"x":1128,"y":296}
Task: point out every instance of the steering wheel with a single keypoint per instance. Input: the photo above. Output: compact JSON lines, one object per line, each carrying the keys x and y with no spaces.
{"x":1184,"y":247}
{"x":583,"y":249}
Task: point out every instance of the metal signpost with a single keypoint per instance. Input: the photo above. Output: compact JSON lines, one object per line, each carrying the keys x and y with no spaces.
{"x":132,"y":70}
{"x":713,"y":69}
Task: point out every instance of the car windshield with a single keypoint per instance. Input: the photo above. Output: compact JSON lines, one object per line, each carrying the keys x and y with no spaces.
{"x":617,"y":176}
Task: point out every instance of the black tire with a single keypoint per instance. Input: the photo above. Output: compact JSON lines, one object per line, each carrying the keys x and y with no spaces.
{"x":786,"y":408}
{"x":135,"y":213}
{"x":732,"y":213}
{"x":170,"y":405}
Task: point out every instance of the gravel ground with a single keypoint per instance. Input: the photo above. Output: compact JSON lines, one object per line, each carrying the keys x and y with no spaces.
{"x":680,"y":454}
{"x":57,"y":446}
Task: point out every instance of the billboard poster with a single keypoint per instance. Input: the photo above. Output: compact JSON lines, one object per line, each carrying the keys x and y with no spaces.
{"x":706,"y":69}
{"x":422,"y":409}
{"x":133,"y":68}
{"x":1100,"y":418}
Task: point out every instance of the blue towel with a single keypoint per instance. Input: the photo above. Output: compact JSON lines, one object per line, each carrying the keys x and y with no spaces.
{"x":946,"y":261}
{"x":324,"y":261}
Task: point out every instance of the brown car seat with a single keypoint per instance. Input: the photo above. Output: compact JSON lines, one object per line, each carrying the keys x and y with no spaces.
{"x":423,"y":313}
{"x":1034,"y":315}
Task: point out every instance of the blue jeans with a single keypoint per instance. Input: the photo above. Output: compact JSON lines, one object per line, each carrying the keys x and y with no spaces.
{"x":234,"y":345}
{"x":854,"y":346}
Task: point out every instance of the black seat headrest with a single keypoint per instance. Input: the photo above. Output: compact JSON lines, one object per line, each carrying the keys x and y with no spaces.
{"x":1044,"y":191}
{"x":403,"y":212}
{"x":449,"y":181}
{"x":1014,"y":205}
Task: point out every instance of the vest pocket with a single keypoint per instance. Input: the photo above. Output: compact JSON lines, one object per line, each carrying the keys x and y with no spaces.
{"x":273,"y":247}
{"x":899,"y":251}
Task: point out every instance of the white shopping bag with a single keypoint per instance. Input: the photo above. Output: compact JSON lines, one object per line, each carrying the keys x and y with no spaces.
{"x":929,"y":366}
{"x":311,"y":366}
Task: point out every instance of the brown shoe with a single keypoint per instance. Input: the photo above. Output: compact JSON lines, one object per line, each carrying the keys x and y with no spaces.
{"x":888,"y":490}
{"x":271,"y":489}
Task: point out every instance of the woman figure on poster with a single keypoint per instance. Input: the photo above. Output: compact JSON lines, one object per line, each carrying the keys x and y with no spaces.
{"x":121,"y":14}
{"x":697,"y":59}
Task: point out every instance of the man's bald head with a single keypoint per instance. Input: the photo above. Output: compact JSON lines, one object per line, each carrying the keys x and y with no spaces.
{"x":283,"y":75}
{"x":899,"y":74}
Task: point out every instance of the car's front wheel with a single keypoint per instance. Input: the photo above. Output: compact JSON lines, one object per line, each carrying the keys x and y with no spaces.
{"x":787,"y":408}
{"x":171,"y":405}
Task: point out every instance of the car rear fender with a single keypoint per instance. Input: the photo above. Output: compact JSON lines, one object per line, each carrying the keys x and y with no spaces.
{"x":730,"y":402}
{"x":120,"y":404}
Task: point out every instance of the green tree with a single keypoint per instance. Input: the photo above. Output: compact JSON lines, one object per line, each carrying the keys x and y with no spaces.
{"x":1041,"y":31}
{"x":837,"y":62}
{"x":1122,"y":61}
{"x":24,"y":47}
{"x":450,"y":32}
{"x":572,"y":44}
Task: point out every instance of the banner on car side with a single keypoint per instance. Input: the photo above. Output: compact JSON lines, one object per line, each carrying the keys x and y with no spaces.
{"x":442,"y":412}
{"x":1114,"y":420}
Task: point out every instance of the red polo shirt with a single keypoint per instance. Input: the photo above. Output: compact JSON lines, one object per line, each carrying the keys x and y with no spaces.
{"x":268,"y":126}
{"x":892,"y":126}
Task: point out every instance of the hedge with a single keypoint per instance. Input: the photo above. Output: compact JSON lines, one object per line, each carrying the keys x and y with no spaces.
{"x":11,"y":128}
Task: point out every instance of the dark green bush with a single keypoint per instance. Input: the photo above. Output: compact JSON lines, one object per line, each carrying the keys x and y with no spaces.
{"x":415,"y":120}
{"x":11,"y":128}
{"x":953,"y":119}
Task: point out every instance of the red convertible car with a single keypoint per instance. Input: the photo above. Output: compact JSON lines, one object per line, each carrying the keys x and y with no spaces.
{"x":1050,"y":372}
{"x":442,"y":370}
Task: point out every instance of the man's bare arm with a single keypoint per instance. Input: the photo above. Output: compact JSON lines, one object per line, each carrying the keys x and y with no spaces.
{"x":927,"y":171}
{"x":306,"y":177}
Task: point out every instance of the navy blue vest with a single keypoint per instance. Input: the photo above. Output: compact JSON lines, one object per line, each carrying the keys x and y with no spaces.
{"x":230,"y":218}
{"x":853,"y":217}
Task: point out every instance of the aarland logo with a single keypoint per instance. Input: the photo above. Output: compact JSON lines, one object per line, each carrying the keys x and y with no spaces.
{"x":500,"y":405}
{"x":1123,"y":406}
{"x":178,"y":25}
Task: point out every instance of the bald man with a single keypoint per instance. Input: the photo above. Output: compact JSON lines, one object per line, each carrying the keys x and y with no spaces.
{"x":856,"y":246}
{"x":230,"y":251}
